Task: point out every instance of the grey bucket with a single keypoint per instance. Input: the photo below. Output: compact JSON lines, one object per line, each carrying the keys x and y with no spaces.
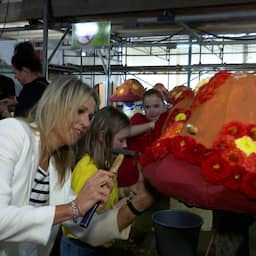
{"x":176,"y":232}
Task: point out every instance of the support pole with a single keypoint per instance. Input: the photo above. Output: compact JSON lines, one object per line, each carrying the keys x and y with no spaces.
{"x":189,"y":60}
{"x":108,"y":85}
{"x":45,"y":39}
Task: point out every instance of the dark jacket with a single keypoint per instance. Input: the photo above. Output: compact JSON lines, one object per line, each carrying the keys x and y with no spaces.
{"x":29,"y":96}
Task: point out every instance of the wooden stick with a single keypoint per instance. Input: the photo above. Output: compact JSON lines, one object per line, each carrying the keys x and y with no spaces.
{"x":117,"y":163}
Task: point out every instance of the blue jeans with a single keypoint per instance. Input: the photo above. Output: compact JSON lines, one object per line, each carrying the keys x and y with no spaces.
{"x":73,"y":247}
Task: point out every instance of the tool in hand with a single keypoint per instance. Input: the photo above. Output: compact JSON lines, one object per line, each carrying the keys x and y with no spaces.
{"x":89,"y":214}
{"x":125,"y":152}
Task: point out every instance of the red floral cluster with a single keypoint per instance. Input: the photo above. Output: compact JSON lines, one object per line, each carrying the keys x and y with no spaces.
{"x":230,"y":166}
{"x":224,"y":164}
{"x":182,"y":147}
{"x":207,"y":91}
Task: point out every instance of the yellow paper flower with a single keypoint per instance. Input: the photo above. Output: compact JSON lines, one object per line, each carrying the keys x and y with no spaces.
{"x":135,"y":87}
{"x":246,"y":144}
{"x":121,"y":91}
{"x":180,"y":117}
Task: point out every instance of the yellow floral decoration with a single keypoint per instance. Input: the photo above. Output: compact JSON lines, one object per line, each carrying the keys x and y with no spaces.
{"x":246,"y":144}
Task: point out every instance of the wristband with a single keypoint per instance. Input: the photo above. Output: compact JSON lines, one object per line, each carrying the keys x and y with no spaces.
{"x":132,"y":208}
{"x":75,"y":211}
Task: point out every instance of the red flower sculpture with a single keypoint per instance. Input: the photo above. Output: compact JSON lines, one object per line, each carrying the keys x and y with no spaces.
{"x":211,"y":141}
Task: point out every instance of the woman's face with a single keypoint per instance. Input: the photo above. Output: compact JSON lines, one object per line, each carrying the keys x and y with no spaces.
{"x":20,"y":75}
{"x":153,"y":107}
{"x":76,"y":124}
{"x":120,"y":138}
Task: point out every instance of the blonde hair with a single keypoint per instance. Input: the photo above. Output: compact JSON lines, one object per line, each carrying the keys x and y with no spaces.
{"x":63,"y":95}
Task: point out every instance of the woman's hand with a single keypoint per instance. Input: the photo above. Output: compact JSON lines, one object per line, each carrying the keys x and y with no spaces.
{"x":96,"y":189}
{"x":141,"y":201}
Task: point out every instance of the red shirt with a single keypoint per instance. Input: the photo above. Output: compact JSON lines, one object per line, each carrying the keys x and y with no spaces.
{"x":128,"y":173}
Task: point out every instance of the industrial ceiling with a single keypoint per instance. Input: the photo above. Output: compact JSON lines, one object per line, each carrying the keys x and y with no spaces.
{"x":134,"y":18}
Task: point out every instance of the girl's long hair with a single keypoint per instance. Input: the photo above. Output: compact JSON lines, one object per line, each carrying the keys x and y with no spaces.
{"x":107,"y":122}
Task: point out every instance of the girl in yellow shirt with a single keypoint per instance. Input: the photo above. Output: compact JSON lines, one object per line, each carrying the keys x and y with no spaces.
{"x":109,"y":129}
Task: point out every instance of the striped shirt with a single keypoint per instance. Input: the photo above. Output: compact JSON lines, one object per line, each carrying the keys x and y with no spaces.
{"x":40,"y":189}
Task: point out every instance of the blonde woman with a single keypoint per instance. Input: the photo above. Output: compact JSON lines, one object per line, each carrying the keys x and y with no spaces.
{"x":35,"y":189}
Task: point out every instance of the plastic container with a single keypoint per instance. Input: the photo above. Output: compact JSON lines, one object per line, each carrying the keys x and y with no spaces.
{"x":176,"y":232}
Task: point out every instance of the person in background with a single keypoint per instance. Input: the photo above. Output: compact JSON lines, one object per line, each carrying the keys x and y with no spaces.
{"x":8,"y":99}
{"x":28,"y":71}
{"x":141,"y":134}
{"x":109,"y":129}
{"x":35,"y":184}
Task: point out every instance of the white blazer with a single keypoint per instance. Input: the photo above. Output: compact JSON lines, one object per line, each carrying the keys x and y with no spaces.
{"x":27,"y":230}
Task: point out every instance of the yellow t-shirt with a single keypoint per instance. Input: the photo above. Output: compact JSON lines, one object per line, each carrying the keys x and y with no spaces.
{"x":83,"y":170}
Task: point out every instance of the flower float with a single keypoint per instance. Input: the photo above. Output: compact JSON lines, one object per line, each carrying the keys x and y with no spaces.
{"x":206,"y":154}
{"x":130,"y":90}
{"x":178,"y":93}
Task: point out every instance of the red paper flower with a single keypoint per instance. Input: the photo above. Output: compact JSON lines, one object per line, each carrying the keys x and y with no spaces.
{"x":251,"y":131}
{"x":181,"y":145}
{"x":234,"y":156}
{"x":234,"y":181}
{"x":235,"y":129}
{"x":219,"y":79}
{"x":224,"y":142}
{"x":250,"y":163}
{"x":160,"y":149}
{"x":172,"y":130}
{"x":249,"y":184}
{"x":204,"y":93}
{"x":215,"y":169}
{"x":197,"y":154}
{"x":147,"y":157}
